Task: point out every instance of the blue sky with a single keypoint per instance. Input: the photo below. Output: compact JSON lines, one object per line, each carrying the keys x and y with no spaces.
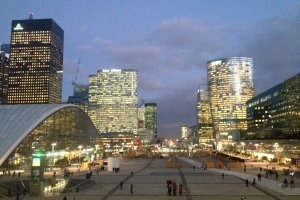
{"x":169,"y":43}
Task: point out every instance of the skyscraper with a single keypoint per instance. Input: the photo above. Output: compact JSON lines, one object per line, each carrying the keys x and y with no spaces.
{"x":113,"y":100}
{"x":151,"y":117}
{"x":230,"y":85}
{"x":205,"y":128}
{"x":80,"y":96}
{"x":4,"y":62}
{"x":36,"y":62}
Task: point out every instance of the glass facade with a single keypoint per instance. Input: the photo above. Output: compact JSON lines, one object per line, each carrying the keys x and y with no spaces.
{"x":36,"y":62}
{"x":151,"y":117}
{"x":4,"y":61}
{"x":230,"y":85}
{"x":113,"y":100}
{"x":275,"y":113}
{"x":205,"y":128}
{"x":80,"y":96}
{"x":67,"y":128}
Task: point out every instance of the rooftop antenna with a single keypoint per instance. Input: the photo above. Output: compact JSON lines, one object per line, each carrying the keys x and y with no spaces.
{"x":75,"y":79}
{"x":30,"y":15}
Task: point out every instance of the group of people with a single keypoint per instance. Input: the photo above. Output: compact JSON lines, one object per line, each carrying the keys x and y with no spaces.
{"x":172,"y":188}
{"x":285,"y":183}
{"x":8,"y":173}
{"x":131,"y":187}
{"x":116,"y":169}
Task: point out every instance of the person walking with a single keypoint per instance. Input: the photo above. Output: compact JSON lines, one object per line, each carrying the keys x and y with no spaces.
{"x":65,"y":198}
{"x":292,"y":182}
{"x":174,"y":188}
{"x":285,"y":183}
{"x":131,"y":188}
{"x":254,"y":182}
{"x":247,"y":182}
{"x":180,"y":189}
{"x":222,"y":175}
{"x":121,"y":185}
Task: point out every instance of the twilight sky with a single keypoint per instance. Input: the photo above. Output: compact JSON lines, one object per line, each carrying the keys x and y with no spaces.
{"x":169,"y":43}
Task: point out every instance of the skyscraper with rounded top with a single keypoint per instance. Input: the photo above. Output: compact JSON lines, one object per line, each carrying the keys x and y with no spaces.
{"x":230,"y":85}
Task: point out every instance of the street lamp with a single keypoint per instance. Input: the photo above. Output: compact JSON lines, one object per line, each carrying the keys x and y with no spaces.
{"x":243,"y":144}
{"x":79,"y":154}
{"x":276,"y":145}
{"x":53,"y":151}
{"x":256,"y":146}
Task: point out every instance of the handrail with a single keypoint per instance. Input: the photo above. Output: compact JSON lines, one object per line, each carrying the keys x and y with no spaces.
{"x":86,"y":182}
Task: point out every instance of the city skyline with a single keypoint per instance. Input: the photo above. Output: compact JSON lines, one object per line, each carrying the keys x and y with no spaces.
{"x":169,"y":44}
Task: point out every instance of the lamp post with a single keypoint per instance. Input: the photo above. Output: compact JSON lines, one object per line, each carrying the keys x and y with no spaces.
{"x":256,"y":146}
{"x":243,"y":144}
{"x":53,"y":151}
{"x":276,"y":145}
{"x":79,"y":154}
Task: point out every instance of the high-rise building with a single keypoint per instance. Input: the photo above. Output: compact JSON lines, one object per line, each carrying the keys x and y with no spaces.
{"x":36,"y":62}
{"x":205,"y":128}
{"x":4,"y":62}
{"x":275,"y":113}
{"x":230,"y":85}
{"x":113,"y":100}
{"x":185,"y":132}
{"x":6,"y":49}
{"x":151,"y":117}
{"x":80,"y":96}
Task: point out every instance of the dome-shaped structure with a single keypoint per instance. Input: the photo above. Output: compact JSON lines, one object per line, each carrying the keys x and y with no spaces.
{"x":36,"y":126}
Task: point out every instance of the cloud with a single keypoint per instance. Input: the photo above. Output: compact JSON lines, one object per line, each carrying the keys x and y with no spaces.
{"x":275,"y":46}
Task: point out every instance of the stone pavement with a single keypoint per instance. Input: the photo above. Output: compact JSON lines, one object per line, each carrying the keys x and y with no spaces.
{"x":149,"y":182}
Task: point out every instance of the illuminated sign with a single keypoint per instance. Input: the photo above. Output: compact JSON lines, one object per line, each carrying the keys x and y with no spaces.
{"x":36,"y":162}
{"x":18,"y":27}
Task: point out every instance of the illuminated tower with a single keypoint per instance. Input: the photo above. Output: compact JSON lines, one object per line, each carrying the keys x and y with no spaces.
{"x":151,"y":117}
{"x":36,"y":62}
{"x":205,"y":129}
{"x":113,"y":100}
{"x":230,"y":85}
{"x":4,"y":61}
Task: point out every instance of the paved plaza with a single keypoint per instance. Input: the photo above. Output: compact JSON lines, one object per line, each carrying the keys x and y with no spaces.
{"x":150,"y":177}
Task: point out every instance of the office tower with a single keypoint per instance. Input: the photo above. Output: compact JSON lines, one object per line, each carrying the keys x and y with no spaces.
{"x":36,"y":62}
{"x":80,"y":96}
{"x":6,"y":49}
{"x":113,"y":100}
{"x":230,"y":85}
{"x":275,"y":113}
{"x":205,"y":128}
{"x":151,"y":117}
{"x":185,"y":132}
{"x":4,"y":62}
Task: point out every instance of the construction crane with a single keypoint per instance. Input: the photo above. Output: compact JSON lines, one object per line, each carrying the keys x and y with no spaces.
{"x":75,"y":78}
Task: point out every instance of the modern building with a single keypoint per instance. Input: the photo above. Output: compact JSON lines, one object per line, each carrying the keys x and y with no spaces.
{"x":80,"y":96}
{"x":113,"y":100}
{"x":275,"y":113}
{"x":6,"y":49}
{"x":36,"y":62}
{"x":26,"y":129}
{"x":151,"y":117}
{"x":185,"y":131}
{"x":4,"y":62}
{"x":230,"y":85}
{"x":205,"y":127}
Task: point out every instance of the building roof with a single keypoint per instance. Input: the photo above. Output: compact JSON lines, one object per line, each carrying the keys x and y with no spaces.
{"x":18,"y":121}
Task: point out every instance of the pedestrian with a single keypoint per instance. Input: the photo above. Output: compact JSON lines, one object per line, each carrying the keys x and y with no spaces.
{"x":65,"y":198}
{"x":276,"y":175}
{"x":9,"y":192}
{"x":285,"y":183}
{"x":194,"y":167}
{"x":121,"y":185}
{"x":254,"y":181}
{"x":247,"y":182}
{"x":14,"y":174}
{"x":259,"y":177}
{"x":245,"y":169}
{"x":19,"y":174}
{"x":174,"y":188}
{"x":180,"y":189}
{"x":131,"y":188}
{"x":222,"y":175}
{"x":131,"y":173}
{"x":292,"y":182}
{"x":260,"y":169}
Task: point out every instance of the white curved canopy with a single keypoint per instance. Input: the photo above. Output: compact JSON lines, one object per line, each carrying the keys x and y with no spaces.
{"x":17,"y":121}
